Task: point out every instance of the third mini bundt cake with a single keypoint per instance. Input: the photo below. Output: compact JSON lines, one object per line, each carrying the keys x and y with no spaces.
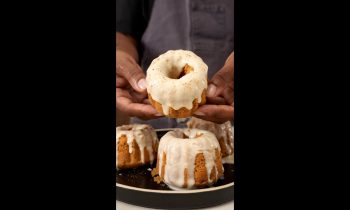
{"x":223,"y":132}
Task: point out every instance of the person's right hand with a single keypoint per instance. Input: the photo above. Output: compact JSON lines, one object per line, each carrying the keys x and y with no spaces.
{"x":131,"y":88}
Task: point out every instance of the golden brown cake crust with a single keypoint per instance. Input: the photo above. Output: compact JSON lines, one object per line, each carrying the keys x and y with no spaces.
{"x":163,"y":165}
{"x":185,"y":177}
{"x":200,"y":171}
{"x":125,"y":159}
{"x":218,"y":163}
{"x":182,"y":112}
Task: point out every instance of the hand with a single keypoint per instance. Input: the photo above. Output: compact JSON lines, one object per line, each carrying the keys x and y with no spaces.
{"x":131,"y":88}
{"x":220,"y":99}
{"x":215,"y":113}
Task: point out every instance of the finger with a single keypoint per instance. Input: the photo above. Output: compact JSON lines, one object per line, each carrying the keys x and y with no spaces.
{"x":143,"y":111}
{"x":215,"y":113}
{"x":215,"y":87}
{"x":138,"y":97}
{"x":123,"y":93}
{"x":228,"y":94}
{"x":219,"y":81}
{"x":133,"y":96}
{"x":121,"y":82}
{"x":146,"y":101}
{"x":215,"y":100}
{"x":138,"y":110}
{"x":132,"y":72}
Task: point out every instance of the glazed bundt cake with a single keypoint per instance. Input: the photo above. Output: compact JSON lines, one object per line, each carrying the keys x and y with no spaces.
{"x":136,"y":145}
{"x":177,"y":83}
{"x":223,"y":132}
{"x":188,"y":158}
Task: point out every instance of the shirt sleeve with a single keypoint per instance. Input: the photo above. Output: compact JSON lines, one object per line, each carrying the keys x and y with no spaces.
{"x":131,"y":19}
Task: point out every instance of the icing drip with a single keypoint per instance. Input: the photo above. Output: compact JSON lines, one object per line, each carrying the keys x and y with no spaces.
{"x":181,"y":153}
{"x":228,"y":159}
{"x":228,"y":129}
{"x":166,"y":89}
{"x":144,"y":135}
{"x":221,"y":131}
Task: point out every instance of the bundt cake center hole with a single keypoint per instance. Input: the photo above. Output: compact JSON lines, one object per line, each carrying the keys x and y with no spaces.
{"x":185,"y":70}
{"x":126,"y":128}
{"x":191,"y":136}
{"x":174,"y":73}
{"x":184,"y":136}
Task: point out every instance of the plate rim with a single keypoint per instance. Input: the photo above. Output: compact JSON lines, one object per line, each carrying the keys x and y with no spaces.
{"x":177,"y":191}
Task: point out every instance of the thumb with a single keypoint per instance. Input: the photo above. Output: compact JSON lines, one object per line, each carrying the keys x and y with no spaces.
{"x":135,"y":76}
{"x":219,"y":82}
{"x":216,"y":85}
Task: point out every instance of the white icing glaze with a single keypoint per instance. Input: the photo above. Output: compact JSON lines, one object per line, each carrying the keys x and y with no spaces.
{"x":163,"y":86}
{"x":230,"y":138}
{"x":143,"y":134}
{"x":181,"y":153}
{"x":224,"y":131}
{"x":228,"y":159}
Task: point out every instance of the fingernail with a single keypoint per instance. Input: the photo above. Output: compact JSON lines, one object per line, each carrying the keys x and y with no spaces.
{"x":199,"y":113}
{"x":211,"y":90}
{"x":142,"y":84}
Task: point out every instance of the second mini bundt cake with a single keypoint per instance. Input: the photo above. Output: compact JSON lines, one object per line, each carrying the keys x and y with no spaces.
{"x":136,"y":145}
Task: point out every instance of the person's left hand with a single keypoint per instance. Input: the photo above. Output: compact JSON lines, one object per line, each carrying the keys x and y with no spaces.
{"x":131,"y":94}
{"x":219,"y":107}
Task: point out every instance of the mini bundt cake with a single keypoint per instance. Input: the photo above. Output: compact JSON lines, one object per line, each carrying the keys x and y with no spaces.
{"x":223,"y":132}
{"x":177,"y":83}
{"x":188,"y":158}
{"x":136,"y":145}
